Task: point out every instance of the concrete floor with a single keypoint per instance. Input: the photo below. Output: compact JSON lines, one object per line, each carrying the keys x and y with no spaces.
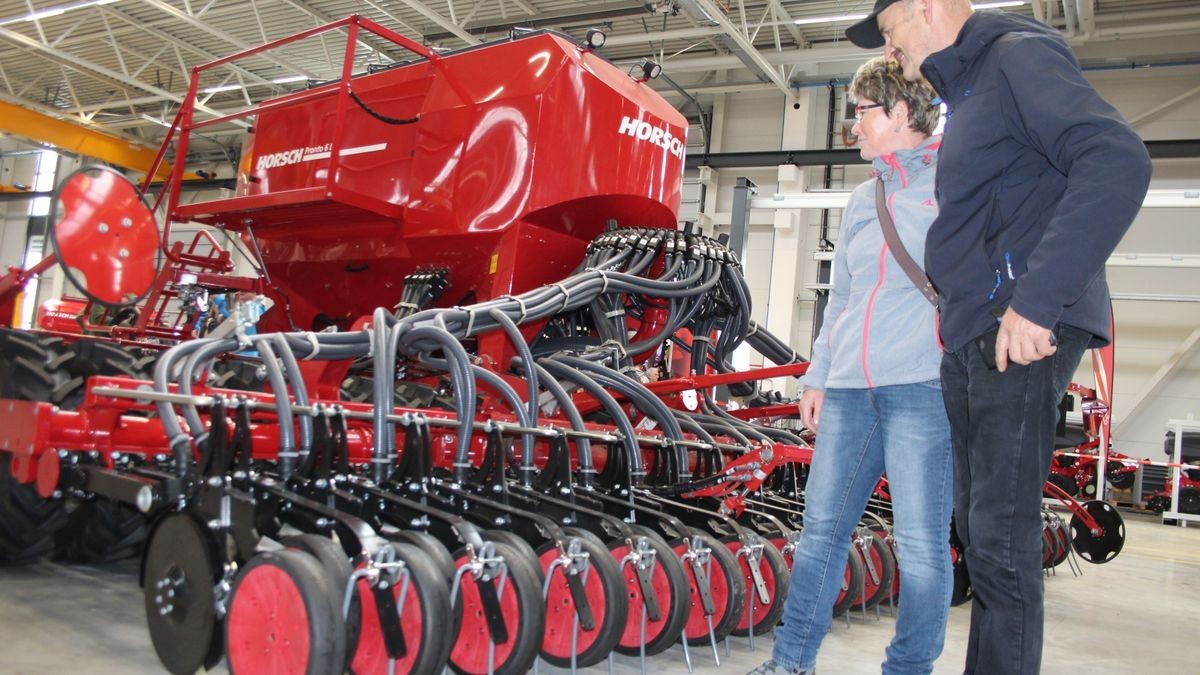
{"x":1134,"y":615}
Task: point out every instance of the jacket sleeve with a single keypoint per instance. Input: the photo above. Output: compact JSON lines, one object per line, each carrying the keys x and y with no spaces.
{"x":818,"y":367}
{"x":1060,"y":115}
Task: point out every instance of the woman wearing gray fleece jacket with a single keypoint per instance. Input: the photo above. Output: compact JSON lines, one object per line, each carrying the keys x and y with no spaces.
{"x":873,"y":395}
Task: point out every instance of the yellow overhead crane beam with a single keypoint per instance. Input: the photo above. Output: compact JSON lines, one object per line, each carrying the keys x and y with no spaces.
{"x":79,"y":140}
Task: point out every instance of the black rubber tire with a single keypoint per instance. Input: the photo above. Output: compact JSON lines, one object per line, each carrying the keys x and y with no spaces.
{"x":1049,"y":546}
{"x":1116,"y":477}
{"x":1066,"y":483}
{"x":616,"y":605}
{"x":726,"y":564}
{"x":27,"y":521}
{"x":98,"y":357}
{"x":430,"y":650}
{"x":337,"y":569}
{"x":674,"y":608}
{"x":31,"y":369}
{"x":853,"y":588}
{"x":248,"y":638}
{"x":884,"y":533}
{"x":773,"y":563}
{"x":1064,"y":541}
{"x":529,"y":618}
{"x":514,"y":540}
{"x":101,"y":530}
{"x":431,"y":547}
{"x":881,"y":555}
{"x":1189,"y":501}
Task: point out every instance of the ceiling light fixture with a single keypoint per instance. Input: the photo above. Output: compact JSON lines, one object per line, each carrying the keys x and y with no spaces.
{"x":289,"y":79}
{"x":221,"y":88}
{"x":53,"y":11}
{"x":805,"y":21}
{"x":151,"y":118}
{"x":830,"y":19}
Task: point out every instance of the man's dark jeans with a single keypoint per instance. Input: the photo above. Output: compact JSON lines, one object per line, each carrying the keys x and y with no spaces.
{"x":1002,"y":428}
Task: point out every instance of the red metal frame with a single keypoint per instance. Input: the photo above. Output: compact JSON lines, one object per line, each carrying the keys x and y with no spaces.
{"x":747,"y":472}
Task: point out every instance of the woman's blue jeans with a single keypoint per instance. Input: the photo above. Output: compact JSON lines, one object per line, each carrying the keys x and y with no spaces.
{"x":901,"y":430}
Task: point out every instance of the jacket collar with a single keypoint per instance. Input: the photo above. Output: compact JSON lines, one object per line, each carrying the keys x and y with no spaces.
{"x":943,"y":69}
{"x":909,"y":163}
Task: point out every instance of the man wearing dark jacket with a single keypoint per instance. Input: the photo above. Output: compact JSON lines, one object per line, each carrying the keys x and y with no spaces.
{"x":1038,"y":180}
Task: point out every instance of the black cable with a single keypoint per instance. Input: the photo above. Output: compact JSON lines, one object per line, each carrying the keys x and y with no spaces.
{"x":382,"y":118}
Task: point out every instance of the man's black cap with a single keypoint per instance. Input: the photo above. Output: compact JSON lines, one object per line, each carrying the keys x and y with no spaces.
{"x":866,"y":33}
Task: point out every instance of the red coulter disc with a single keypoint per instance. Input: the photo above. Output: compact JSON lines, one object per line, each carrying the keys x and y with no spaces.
{"x":371,"y":656}
{"x":470,"y":651}
{"x":268,"y":624}
{"x":718,"y":589}
{"x":768,"y":574}
{"x":560,"y":610}
{"x":631,"y":637}
{"x":870,"y":586}
{"x":852,"y":580}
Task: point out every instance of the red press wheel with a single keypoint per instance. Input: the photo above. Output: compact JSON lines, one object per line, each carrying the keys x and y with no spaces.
{"x":431,"y":547}
{"x":514,"y":540}
{"x":521,"y":610}
{"x":776,"y":579}
{"x":604,"y":589}
{"x":726,"y":589}
{"x":851,"y":582}
{"x":885,"y":566}
{"x":337,"y":569}
{"x":670,"y":585}
{"x":882,"y":532}
{"x":425,"y":604}
{"x":282,"y":618}
{"x":1049,"y":546}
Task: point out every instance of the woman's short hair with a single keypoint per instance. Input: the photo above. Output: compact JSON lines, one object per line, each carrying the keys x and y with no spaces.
{"x":882,"y":81}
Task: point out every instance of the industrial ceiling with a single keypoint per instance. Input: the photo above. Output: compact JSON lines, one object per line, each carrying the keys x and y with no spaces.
{"x":122,"y":66}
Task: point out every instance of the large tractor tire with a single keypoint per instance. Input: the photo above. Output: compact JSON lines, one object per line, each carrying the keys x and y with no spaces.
{"x":99,"y":529}
{"x":31,"y":369}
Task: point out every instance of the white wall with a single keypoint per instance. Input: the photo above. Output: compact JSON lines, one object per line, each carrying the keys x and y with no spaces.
{"x":1149,"y":334}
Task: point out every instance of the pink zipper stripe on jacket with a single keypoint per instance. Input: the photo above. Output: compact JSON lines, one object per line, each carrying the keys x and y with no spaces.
{"x":871,"y":306}
{"x":890,"y":159}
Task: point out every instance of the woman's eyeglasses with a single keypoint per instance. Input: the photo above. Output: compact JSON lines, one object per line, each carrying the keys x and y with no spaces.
{"x":859,"y":110}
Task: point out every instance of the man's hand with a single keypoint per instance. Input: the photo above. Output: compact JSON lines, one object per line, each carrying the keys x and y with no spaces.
{"x":810,"y":407}
{"x":1022,"y":341}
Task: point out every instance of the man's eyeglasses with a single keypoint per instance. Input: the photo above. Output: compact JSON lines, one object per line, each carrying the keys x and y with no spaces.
{"x":859,"y":110}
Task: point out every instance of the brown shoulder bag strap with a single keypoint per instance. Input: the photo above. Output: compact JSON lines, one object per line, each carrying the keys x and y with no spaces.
{"x":910,"y":267}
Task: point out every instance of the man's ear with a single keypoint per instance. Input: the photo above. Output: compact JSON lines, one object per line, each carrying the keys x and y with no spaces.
{"x":924,"y":10}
